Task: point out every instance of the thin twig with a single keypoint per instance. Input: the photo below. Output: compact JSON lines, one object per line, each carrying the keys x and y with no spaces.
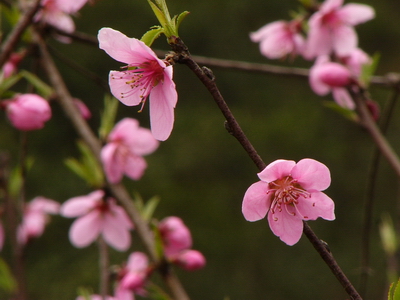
{"x":9,"y":44}
{"x":104,"y":264}
{"x":206,"y":77}
{"x":93,"y":143}
{"x":370,"y":195}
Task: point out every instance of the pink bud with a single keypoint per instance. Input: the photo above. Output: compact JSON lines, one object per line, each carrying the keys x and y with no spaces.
{"x":28,"y":111}
{"x":190,"y":260}
{"x":84,"y":110}
{"x":334,"y":74}
{"x":175,"y":235}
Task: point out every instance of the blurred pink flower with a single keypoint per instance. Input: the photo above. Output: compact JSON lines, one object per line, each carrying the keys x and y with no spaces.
{"x":289,"y":193}
{"x":326,"y":76}
{"x":331,"y":28}
{"x":144,"y":76}
{"x":97,"y":216}
{"x":355,"y":61}
{"x":175,"y":235}
{"x":10,"y":67}
{"x":133,"y":277}
{"x":96,"y":297}
{"x":35,"y":218}
{"x":190,"y":260}
{"x":83,"y":109}
{"x":127,"y":143}
{"x":57,"y":13}
{"x":279,"y":39}
{"x":28,"y":111}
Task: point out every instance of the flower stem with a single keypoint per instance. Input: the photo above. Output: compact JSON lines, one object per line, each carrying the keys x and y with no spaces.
{"x":233,"y":127}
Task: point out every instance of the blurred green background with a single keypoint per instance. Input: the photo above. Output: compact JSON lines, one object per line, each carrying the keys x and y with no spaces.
{"x":201,"y":172}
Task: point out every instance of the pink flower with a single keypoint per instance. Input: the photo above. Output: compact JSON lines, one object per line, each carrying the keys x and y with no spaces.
{"x":326,"y":76}
{"x":57,"y":13}
{"x":355,"y":61}
{"x":28,"y":111}
{"x":133,"y":277}
{"x":331,"y":28}
{"x":35,"y":218}
{"x":280,"y":38}
{"x":175,"y":235}
{"x":2,"y":235}
{"x":127,"y":143}
{"x":190,"y":260}
{"x":97,"y":216}
{"x":97,"y":297}
{"x":144,"y":76}
{"x":289,"y":193}
{"x":10,"y":67}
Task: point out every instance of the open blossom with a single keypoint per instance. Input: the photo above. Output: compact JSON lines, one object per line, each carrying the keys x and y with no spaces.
{"x":331,"y":27}
{"x":326,"y":76}
{"x":35,"y":217}
{"x":289,"y":193}
{"x":96,"y":297}
{"x":28,"y":111}
{"x":126,"y":144}
{"x":279,"y":39}
{"x":97,"y":215}
{"x":144,"y":76}
{"x":133,"y":277}
{"x":177,"y":242}
{"x":57,"y":13}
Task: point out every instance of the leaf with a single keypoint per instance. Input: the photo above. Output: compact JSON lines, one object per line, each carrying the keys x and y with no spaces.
{"x":368,"y":70}
{"x":7,"y":281}
{"x":347,"y":113}
{"x":42,"y":88}
{"x":108,"y":116}
{"x":150,"y":36}
{"x":16,"y":180}
{"x":388,"y":235}
{"x":7,"y":83}
{"x":396,"y":295}
{"x":149,"y":208}
{"x":156,"y":293}
{"x":178,"y":20}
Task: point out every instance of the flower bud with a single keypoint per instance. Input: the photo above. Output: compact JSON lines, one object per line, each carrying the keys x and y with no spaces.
{"x":28,"y":111}
{"x":175,"y":235}
{"x":190,"y":260}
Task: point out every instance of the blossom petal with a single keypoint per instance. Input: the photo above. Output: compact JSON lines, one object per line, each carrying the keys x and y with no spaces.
{"x":318,"y":205}
{"x":277,"y":169}
{"x":345,"y":40}
{"x":71,"y":6}
{"x":78,"y":206}
{"x":135,"y":166}
{"x":256,"y":202}
{"x":137,"y":262}
{"x":115,"y":234}
{"x":113,"y":167}
{"x":163,"y":98}
{"x":329,"y":5}
{"x":319,"y":41}
{"x":289,"y":228}
{"x":343,"y":98}
{"x":124,"y":49}
{"x":354,"y":14}
{"x":312,"y":174}
{"x":122,"y":90}
{"x":85,"y":229}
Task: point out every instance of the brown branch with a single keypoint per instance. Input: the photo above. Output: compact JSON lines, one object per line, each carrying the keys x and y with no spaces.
{"x":9,"y":45}
{"x":206,"y":77}
{"x":93,"y":143}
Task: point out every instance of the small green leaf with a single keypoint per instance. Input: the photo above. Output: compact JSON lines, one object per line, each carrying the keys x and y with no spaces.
{"x":347,"y":113}
{"x":388,"y":235}
{"x":368,"y":70}
{"x":396,"y":294}
{"x":42,"y":88}
{"x":391,"y":291}
{"x":16,"y":181}
{"x":150,"y":207}
{"x":7,"y":83}
{"x":150,"y":36}
{"x":7,"y":281}
{"x":108,"y":116}
{"x":156,"y":293}
{"x":178,"y":20}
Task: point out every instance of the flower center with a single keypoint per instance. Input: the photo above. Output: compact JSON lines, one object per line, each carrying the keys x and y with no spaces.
{"x":285,"y":195}
{"x":141,"y":78}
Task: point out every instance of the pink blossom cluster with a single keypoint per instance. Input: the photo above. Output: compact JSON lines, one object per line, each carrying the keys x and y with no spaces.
{"x":177,"y":241}
{"x":329,"y":37}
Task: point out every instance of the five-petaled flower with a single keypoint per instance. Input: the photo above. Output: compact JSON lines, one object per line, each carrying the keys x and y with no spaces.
{"x":289,"y":193}
{"x":97,"y":215}
{"x":127,"y":143}
{"x":331,"y":28}
{"x":145,"y":75}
